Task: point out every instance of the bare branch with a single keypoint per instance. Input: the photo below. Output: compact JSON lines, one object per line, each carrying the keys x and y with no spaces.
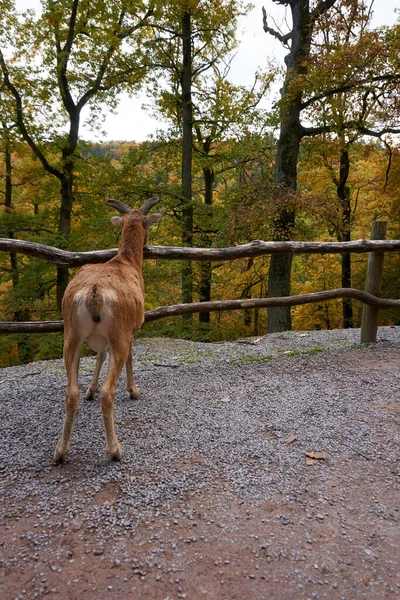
{"x":284,"y":39}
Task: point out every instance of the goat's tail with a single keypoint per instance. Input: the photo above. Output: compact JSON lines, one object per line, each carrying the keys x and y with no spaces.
{"x":94,"y":303}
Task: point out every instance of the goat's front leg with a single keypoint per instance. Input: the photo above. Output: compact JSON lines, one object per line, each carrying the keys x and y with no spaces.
{"x":130,"y":379}
{"x":94,"y":384}
{"x":117,"y":359}
{"x":72,"y":348}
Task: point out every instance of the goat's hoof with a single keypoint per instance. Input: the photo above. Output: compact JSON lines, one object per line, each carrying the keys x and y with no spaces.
{"x":116,"y":452}
{"x":134,"y":393}
{"x":90,"y":395}
{"x":59,"y":456}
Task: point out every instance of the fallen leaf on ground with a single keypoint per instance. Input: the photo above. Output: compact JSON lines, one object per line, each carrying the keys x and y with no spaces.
{"x":310,"y":461}
{"x":257,"y":341}
{"x":225,"y":399}
{"x":315,"y":456}
{"x":290,"y":439}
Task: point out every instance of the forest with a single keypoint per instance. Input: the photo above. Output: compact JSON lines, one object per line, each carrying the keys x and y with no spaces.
{"x":319,"y":160}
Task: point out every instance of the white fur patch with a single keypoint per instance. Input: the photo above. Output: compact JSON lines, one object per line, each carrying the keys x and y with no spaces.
{"x":80,"y":303}
{"x":95,"y":334}
{"x":96,"y":342}
{"x":109,"y":295}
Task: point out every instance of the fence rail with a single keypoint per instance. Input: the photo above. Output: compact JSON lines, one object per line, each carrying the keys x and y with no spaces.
{"x":218,"y":305}
{"x":376,"y":248}
{"x":255,"y":248}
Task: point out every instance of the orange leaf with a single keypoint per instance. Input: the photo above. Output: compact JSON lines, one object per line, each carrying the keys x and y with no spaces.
{"x":290,"y":439}
{"x":315,"y":456}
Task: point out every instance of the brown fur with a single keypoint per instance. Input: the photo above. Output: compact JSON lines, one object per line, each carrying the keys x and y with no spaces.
{"x":94,"y":303}
{"x":104,"y":305}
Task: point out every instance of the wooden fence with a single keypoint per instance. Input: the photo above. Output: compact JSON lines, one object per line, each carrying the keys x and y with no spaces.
{"x":376,"y":247}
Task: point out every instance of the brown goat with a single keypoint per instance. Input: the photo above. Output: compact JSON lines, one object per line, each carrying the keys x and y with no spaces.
{"x":104,"y":305}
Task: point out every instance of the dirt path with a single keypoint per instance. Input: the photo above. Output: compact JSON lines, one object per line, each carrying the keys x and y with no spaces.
{"x":215,"y":497}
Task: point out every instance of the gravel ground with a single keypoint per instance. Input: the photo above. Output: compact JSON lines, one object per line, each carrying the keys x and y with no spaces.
{"x":215,"y":496}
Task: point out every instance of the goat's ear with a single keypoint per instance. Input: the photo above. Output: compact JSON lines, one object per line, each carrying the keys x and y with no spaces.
{"x":153,"y":218}
{"x":117,"y":221}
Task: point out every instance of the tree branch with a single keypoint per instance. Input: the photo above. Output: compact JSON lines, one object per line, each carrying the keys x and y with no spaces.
{"x":346,"y":87}
{"x":356,"y":125}
{"x":284,"y":39}
{"x":320,"y":9}
{"x":21,"y":122}
{"x":378,"y":134}
{"x":63,"y":55}
{"x":129,"y":30}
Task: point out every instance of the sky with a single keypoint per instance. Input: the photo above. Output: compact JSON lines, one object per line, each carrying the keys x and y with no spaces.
{"x":131,"y":121}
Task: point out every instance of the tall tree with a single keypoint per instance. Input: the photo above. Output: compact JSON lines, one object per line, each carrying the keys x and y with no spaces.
{"x":189,"y":38}
{"x":297,"y":98}
{"x":227,"y":122}
{"x":186,"y":83}
{"x":298,"y":41}
{"x":76,"y":54}
{"x":353,"y":53}
{"x":7,"y":144}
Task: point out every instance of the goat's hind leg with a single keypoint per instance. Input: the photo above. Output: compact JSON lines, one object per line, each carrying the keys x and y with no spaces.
{"x":94,"y":384}
{"x":117,"y":358}
{"x":72,"y":349}
{"x":130,"y":379}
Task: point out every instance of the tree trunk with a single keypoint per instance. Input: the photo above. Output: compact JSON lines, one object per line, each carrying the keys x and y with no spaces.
{"x":246,"y":293}
{"x":187,"y":156}
{"x":206,"y":269}
{"x":279,"y":319}
{"x":9,"y":207}
{"x":24,"y":346}
{"x":343,"y":192}
{"x":64,"y":223}
{"x":347,"y":305}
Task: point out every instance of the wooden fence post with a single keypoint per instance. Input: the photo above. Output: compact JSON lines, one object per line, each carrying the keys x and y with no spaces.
{"x":373,"y":284}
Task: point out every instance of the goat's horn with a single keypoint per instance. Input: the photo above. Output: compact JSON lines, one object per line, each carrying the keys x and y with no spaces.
{"x":148,"y":205}
{"x":119,"y":206}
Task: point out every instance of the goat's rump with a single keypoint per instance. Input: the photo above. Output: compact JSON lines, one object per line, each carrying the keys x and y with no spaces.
{"x":100,"y":312}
